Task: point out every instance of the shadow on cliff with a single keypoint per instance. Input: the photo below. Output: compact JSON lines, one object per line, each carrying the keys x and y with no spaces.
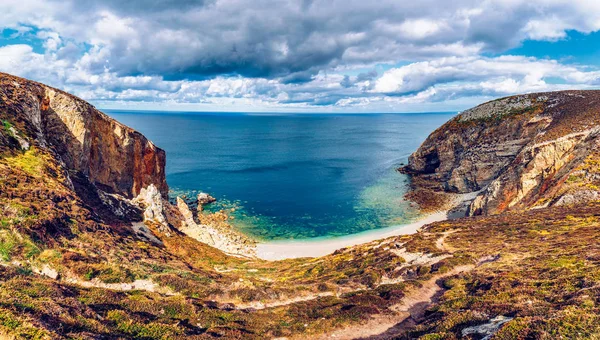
{"x":62,"y":141}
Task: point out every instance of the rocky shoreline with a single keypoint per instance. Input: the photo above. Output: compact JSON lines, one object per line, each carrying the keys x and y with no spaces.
{"x":212,"y":229}
{"x":84,"y":257}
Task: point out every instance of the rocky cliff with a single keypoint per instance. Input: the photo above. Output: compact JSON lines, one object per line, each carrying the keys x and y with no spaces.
{"x":114,"y":157}
{"x":524,"y":151}
{"x":77,"y":262}
{"x":113,"y":169}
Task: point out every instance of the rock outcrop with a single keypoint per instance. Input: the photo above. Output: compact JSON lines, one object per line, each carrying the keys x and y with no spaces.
{"x":213,"y":229}
{"x":519,"y":151}
{"x":153,"y":204}
{"x":113,"y":169}
{"x":204,"y":199}
{"x":114,"y":157}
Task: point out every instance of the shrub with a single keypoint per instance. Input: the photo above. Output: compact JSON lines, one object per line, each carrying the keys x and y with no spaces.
{"x":7,"y":127}
{"x":31,"y":162}
{"x":7,"y":245}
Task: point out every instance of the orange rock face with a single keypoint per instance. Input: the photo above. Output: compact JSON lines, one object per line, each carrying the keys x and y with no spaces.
{"x":114,"y":157}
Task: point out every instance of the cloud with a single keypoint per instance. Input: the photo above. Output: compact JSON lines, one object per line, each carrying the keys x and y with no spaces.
{"x":293,"y":53}
{"x":20,"y":59}
{"x":268,"y":38}
{"x":451,"y":78}
{"x":524,"y":73}
{"x":438,"y":80}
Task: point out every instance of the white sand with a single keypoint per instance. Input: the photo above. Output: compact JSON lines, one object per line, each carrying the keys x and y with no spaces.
{"x":322,"y":246}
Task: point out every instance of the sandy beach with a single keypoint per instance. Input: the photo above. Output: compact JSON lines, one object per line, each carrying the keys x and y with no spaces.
{"x":323,"y":246}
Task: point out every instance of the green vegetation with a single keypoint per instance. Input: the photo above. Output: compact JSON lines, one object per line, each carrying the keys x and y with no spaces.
{"x":340,"y":290}
{"x":60,"y":249}
{"x":553,"y":292}
{"x":545,"y":287}
{"x":503,"y":117}
{"x":31,"y":162}
{"x":7,"y":245}
{"x":6,"y":125}
{"x":106,"y":273}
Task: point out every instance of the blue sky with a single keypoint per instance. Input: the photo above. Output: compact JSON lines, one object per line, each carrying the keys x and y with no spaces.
{"x":575,"y":48}
{"x":301,"y":55}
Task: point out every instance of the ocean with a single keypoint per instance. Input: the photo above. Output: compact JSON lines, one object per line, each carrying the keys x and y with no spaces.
{"x":291,"y":176}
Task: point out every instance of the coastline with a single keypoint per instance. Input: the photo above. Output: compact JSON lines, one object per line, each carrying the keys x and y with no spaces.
{"x":281,"y":250}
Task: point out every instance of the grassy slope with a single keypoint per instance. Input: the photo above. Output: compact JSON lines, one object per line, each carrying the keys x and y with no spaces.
{"x":545,"y":275}
{"x":45,"y":225}
{"x":539,"y":268}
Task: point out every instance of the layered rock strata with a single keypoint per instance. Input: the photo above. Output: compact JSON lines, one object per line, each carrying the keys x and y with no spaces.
{"x":521,"y":152}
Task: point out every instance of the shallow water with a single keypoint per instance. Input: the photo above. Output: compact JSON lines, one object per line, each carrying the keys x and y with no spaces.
{"x":291,"y":176}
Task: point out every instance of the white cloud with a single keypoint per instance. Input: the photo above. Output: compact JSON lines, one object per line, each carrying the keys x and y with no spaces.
{"x":21,"y":60}
{"x":292,"y":54}
{"x":439,"y":80}
{"x":271,"y":39}
{"x":13,"y":56}
{"x":497,"y":76}
{"x":548,"y":29}
{"x":412,"y":29}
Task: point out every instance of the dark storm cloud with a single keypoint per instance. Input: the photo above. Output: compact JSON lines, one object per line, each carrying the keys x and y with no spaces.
{"x":367,"y":76}
{"x":298,"y":77}
{"x":135,"y":7}
{"x":261,"y":38}
{"x":346,"y":82}
{"x":294,"y":40}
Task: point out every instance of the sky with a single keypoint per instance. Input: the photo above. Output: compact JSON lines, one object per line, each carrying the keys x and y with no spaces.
{"x":301,"y":55}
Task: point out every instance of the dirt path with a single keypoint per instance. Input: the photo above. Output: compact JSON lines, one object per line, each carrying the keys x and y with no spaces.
{"x":440,"y":243}
{"x":278,"y":303}
{"x":411,"y":309}
{"x":411,"y":258}
{"x":146,"y":285}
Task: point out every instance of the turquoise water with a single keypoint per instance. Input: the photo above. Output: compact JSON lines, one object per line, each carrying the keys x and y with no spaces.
{"x":291,"y":176}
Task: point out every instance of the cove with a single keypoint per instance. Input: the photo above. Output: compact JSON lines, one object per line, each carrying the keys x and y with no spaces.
{"x":291,"y":176}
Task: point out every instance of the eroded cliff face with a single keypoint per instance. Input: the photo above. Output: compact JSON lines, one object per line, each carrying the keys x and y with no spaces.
{"x":65,"y":273}
{"x":114,"y":157}
{"x":112,"y":169}
{"x":520,"y":152}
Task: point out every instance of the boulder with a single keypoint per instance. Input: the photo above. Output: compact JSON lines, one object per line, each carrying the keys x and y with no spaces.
{"x":204,"y":199}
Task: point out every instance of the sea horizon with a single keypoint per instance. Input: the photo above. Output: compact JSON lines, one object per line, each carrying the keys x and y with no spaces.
{"x":278,"y":113}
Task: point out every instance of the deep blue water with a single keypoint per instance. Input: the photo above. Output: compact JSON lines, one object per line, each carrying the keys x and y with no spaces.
{"x":291,"y":175}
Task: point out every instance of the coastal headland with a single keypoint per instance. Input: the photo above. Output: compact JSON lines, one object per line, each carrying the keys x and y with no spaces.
{"x":91,"y":247}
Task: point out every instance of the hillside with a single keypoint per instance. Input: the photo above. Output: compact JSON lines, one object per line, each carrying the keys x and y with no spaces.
{"x":521,"y":152}
{"x":90,"y":247}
